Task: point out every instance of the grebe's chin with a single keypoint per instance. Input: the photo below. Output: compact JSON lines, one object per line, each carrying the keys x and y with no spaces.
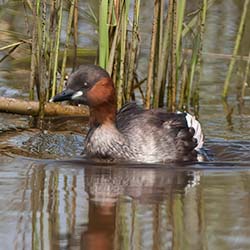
{"x":132,"y":133}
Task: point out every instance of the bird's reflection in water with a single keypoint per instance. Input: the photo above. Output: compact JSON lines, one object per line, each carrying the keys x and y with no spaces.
{"x":134,"y":206}
{"x":81,"y":205}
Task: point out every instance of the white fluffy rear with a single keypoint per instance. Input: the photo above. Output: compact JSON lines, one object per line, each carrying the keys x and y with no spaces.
{"x":192,"y":122}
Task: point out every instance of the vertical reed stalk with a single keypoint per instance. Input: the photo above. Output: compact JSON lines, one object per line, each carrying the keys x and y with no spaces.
{"x":51,"y":39}
{"x":113,"y":48}
{"x":121,"y":80}
{"x":163,"y":59}
{"x":110,"y":12}
{"x":57,"y":44}
{"x":159,"y":66}
{"x":181,"y":5}
{"x":236,"y":48}
{"x":152,"y":55}
{"x":158,"y":51}
{"x":134,"y":44}
{"x":174,"y":66}
{"x":69,"y":26}
{"x":114,"y":22}
{"x":33,"y":54}
{"x":75,"y":35}
{"x":161,"y":28}
{"x":201,"y":30}
{"x":42,"y":62}
{"x":103,"y":34}
{"x":193,"y":66}
{"x":183,"y":89}
{"x":26,"y":16}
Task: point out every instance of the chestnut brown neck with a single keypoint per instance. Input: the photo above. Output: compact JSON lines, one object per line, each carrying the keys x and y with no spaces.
{"x":102,"y":102}
{"x":102,"y":115}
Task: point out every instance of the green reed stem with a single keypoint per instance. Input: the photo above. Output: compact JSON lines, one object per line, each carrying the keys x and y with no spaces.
{"x":236,"y":48}
{"x":103,"y":34}
{"x":68,"y":32}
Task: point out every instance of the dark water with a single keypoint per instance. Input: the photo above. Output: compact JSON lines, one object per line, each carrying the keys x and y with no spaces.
{"x":51,"y":198}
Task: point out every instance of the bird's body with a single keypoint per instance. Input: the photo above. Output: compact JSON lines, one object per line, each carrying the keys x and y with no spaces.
{"x":132,"y":133}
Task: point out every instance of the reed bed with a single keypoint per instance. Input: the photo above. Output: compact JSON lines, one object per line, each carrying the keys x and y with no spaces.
{"x":169,"y":72}
{"x":172,"y":76}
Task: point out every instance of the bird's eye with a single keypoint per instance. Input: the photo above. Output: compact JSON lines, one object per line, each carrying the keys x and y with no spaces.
{"x":66,"y":80}
{"x":85,"y":84}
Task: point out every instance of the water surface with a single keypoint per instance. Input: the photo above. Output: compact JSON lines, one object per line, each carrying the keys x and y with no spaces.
{"x":81,"y":205}
{"x":52,"y":198}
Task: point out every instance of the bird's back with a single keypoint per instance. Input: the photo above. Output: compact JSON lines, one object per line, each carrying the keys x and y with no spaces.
{"x":156,"y":134}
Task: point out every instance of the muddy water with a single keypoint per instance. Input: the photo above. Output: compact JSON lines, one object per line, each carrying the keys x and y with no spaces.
{"x":52,"y":198}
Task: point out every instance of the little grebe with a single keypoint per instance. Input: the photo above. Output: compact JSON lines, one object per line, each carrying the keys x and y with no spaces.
{"x":132,"y":133}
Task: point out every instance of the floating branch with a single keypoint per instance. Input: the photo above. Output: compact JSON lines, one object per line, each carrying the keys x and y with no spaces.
{"x":17,"y":106}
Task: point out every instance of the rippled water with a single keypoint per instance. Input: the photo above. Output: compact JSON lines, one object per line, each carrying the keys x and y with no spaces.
{"x":51,"y":198}
{"x":81,"y":205}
